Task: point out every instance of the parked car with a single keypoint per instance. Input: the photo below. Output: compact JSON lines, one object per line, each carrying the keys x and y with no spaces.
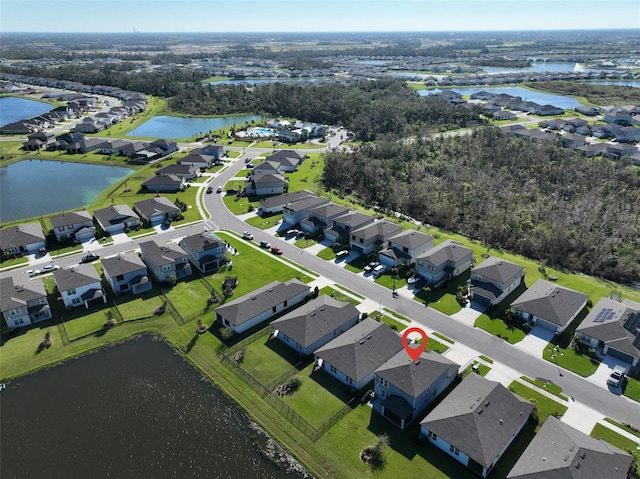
{"x":371,"y":266}
{"x":32,"y":272}
{"x":378,"y":270}
{"x":276,"y":250}
{"x":617,"y":376}
{"x":89,"y":257}
{"x":342,"y":254}
{"x":265,"y":244}
{"x":219,"y":190}
{"x":209,"y":190}
{"x":246,"y":235}
{"x":300,"y":234}
{"x":248,"y":159}
{"x":292,"y":232}
{"x":49,"y":267}
{"x":249,"y":165}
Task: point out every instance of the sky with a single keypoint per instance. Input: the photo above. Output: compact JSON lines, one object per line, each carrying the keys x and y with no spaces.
{"x":314,"y":15}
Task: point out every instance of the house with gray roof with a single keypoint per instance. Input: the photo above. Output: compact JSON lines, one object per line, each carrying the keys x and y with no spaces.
{"x":353,"y":357}
{"x":287,"y":160}
{"x":550,"y":306}
{"x":404,"y":388}
{"x":476,"y":423}
{"x":262,"y":304}
{"x":343,"y":225}
{"x":298,"y":211}
{"x":163,"y":184}
{"x":200,"y":160}
{"x":494,"y":279}
{"x":559,"y":450}
{"x":321,"y":217}
{"x":156,"y":210}
{"x":404,"y":248}
{"x":275,"y":204}
{"x":180,"y":170}
{"x":126,"y":272}
{"x":265,"y":184}
{"x":613,"y":328}
{"x":80,"y":285}
{"x":445,"y":261}
{"x":373,"y":236}
{"x":116,"y":218}
{"x":22,"y":239}
{"x":206,"y":251}
{"x":166,"y":262}
{"x":313,"y":325}
{"x":23,"y":303}
{"x":77,"y":225}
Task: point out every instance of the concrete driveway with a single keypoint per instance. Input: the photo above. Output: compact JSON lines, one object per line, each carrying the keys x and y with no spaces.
{"x":599,"y":378}
{"x":535,"y":342}
{"x":468,"y":314}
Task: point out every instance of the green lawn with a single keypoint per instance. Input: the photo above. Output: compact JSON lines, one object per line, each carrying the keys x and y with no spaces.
{"x":190,"y":298}
{"x":492,"y":320}
{"x":89,"y":323}
{"x":444,"y":338}
{"x":15,"y":262}
{"x":483,"y":369}
{"x":267,"y":359}
{"x":305,"y":243}
{"x":264,"y":222}
{"x":546,"y":406}
{"x":632,"y":389}
{"x":327,"y":254}
{"x":618,"y":440}
{"x":486,"y":358}
{"x":395,"y":325}
{"x":139,"y":306}
{"x":443,"y":299}
{"x":338,"y":296}
{"x":567,"y":358}
{"x":387,"y":281}
{"x":319,"y":396}
{"x":546,"y":385}
{"x":309,"y":174}
{"x":622,"y":426}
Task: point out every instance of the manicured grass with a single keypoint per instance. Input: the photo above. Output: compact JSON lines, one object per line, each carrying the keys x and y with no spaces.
{"x":309,"y":174}
{"x":139,"y":306}
{"x":338,"y":296}
{"x":327,"y":254}
{"x":267,"y":359}
{"x":486,"y":358}
{"x":190,"y":298}
{"x":618,"y":440}
{"x":397,"y":315}
{"x":567,"y":358}
{"x":622,"y":426}
{"x":305,"y":243}
{"x":499,"y":328}
{"x":352,"y":293}
{"x":87,"y":324}
{"x":319,"y":396}
{"x":17,"y":262}
{"x":387,"y":281}
{"x":392,"y":323}
{"x":443,"y":337}
{"x":264,"y":222}
{"x":443,"y":299}
{"x":632,"y":390}
{"x":546,"y":406}
{"x":547,"y":386}
{"x":142,"y":232}
{"x":437,"y":346}
{"x":483,"y":369}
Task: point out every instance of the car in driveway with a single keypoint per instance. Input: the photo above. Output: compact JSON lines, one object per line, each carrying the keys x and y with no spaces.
{"x":291,"y":233}
{"x":265,"y":245}
{"x":342,"y":254}
{"x":49,"y":267}
{"x":371,"y":266}
{"x":378,"y":270}
{"x":89,"y":257}
{"x":617,"y":376}
{"x":247,"y":236}
{"x":276,"y":250}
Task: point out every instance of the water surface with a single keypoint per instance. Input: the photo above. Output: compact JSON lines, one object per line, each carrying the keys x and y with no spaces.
{"x":136,"y":410}
{"x":182,"y":127}
{"x":561,"y":101}
{"x":13,"y":109}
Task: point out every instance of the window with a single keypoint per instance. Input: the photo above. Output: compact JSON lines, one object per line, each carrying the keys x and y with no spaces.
{"x":167,"y":267}
{"x":15,"y":311}
{"x":383,"y":382}
{"x":405,"y":249}
{"x":286,"y":303}
{"x":71,"y":292}
{"x":273,"y":310}
{"x":18,"y":322}
{"x":43,"y":300}
{"x":349,"y":380}
{"x":432,"y":436}
{"x":383,"y":394}
{"x":76,"y":301}
{"x":430,"y":268}
{"x":333,"y":369}
{"x":454,"y":450}
{"x":120,"y":277}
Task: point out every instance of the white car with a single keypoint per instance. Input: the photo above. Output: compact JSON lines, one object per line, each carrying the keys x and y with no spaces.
{"x":49,"y":267}
{"x":378,"y":270}
{"x":32,"y":272}
{"x":246,"y":235}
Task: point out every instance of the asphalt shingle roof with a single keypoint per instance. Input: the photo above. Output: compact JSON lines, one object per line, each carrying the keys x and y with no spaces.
{"x":21,"y":235}
{"x":550,"y":302}
{"x":76,"y":277}
{"x":15,"y":295}
{"x":123,"y":264}
{"x":497,"y":270}
{"x":446,"y":251}
{"x":66,"y":219}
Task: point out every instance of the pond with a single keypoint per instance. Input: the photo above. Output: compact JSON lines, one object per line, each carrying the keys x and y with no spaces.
{"x":541,"y":67}
{"x":183,"y":127}
{"x":13,"y":109}
{"x":39,"y":187}
{"x":135,"y":410}
{"x":566,"y":102}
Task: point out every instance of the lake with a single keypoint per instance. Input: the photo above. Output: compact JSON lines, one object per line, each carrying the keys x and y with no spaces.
{"x":39,"y":187}
{"x":539,"y":67}
{"x":135,"y":410}
{"x":13,"y":109}
{"x":183,"y":127}
{"x":566,"y":102}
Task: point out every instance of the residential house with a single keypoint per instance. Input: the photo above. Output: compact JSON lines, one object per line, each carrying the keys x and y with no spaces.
{"x":373,"y":236}
{"x":321,"y":217}
{"x":163,"y":184}
{"x":167,"y":262}
{"x":504,"y":115}
{"x":197,"y":159}
{"x":206,"y":251}
{"x":38,"y":140}
{"x":266,"y":168}
{"x":572,"y":140}
{"x":26,"y":238}
{"x":166,"y":146}
{"x":116,"y":218}
{"x":404,"y":248}
{"x":156,"y":210}
{"x":550,"y":306}
{"x":298,"y":211}
{"x":77,"y":226}
{"x":587,"y":110}
{"x":287,"y":160}
{"x":613,"y":328}
{"x":354,"y":356}
{"x":476,"y":423}
{"x":404,"y":388}
{"x":20,"y":127}
{"x":23,"y":304}
{"x":276,"y":204}
{"x":494,"y":279}
{"x":546,"y":110}
{"x":91,"y":125}
{"x":180,"y":170}
{"x":559,"y":450}
{"x":627,"y":134}
{"x":66,"y":140}
{"x":313,"y":325}
{"x":262,"y":304}
{"x":126,"y":272}
{"x":618,"y":116}
{"x":592,"y":150}
{"x":620,"y":150}
{"x":79,"y":285}
{"x":112,"y":147}
{"x":132,"y":148}
{"x":216,"y":151}
{"x":265,"y":184}
{"x":446,"y":261}
{"x":343,"y":225}
{"x":86,"y":145}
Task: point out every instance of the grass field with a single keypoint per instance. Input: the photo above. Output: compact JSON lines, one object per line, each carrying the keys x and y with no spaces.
{"x":546,"y":406}
{"x":190,"y":298}
{"x":546,"y":385}
{"x":338,"y":296}
{"x":600,"y":431}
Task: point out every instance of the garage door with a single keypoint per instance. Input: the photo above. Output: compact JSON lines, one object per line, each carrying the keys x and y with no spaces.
{"x":614,"y":353}
{"x":478,"y":298}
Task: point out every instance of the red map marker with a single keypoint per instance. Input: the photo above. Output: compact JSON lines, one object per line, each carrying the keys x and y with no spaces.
{"x":415,"y":351}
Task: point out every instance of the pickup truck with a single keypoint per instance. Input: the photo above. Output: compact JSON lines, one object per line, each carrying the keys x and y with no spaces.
{"x":617,"y":376}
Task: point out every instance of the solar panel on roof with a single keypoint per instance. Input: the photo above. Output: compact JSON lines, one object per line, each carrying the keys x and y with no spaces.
{"x":604,"y":315}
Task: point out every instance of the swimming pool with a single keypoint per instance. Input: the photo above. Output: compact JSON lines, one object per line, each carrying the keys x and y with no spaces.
{"x":257,"y":132}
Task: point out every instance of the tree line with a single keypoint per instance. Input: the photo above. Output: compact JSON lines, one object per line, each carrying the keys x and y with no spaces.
{"x":539,"y":200}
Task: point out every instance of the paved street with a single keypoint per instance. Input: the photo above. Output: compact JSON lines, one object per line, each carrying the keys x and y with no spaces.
{"x":523,"y":359}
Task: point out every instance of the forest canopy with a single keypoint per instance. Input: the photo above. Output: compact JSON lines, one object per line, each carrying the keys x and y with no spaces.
{"x":539,"y":200}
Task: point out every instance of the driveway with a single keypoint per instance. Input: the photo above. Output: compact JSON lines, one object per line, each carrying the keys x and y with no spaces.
{"x":535,"y":342}
{"x":120,"y":238}
{"x":599,"y":378}
{"x":468,"y":314}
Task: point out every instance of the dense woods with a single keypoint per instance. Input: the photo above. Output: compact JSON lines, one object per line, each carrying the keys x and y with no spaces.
{"x":368,"y":108}
{"x":536,"y":199}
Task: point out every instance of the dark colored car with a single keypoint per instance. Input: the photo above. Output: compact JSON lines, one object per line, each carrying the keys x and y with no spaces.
{"x":89,"y":257}
{"x":276,"y":250}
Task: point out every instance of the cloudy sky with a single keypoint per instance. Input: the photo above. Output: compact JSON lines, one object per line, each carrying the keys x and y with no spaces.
{"x":314,"y":15}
